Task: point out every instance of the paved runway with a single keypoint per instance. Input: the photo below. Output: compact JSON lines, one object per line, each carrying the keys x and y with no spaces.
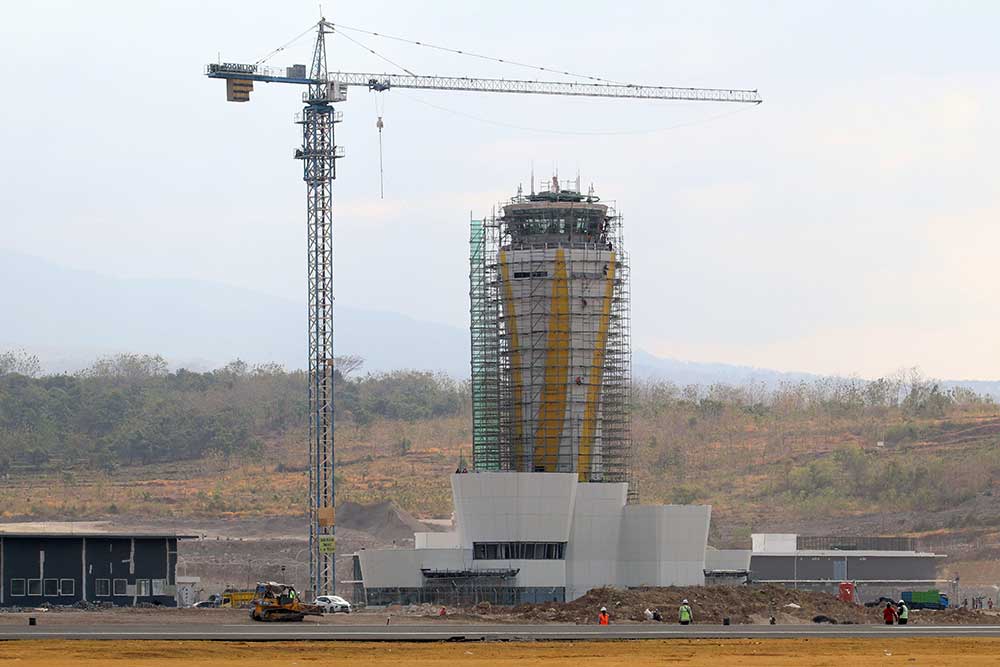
{"x":468,"y":632}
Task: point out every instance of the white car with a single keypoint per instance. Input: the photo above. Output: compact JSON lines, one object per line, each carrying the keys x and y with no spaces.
{"x":331,"y":604}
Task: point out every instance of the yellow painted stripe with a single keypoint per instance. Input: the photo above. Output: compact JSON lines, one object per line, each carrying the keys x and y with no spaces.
{"x":515,"y":363}
{"x":596,"y":377}
{"x":552,"y":411}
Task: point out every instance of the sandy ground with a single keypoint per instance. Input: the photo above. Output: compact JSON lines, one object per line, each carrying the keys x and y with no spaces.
{"x":716,"y":653}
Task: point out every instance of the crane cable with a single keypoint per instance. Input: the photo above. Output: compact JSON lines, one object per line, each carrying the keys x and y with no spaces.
{"x":376,"y":53}
{"x":593,"y":133}
{"x":286,"y":44}
{"x":379,"y":124}
{"x":378,"y":112}
{"x":478,"y":55}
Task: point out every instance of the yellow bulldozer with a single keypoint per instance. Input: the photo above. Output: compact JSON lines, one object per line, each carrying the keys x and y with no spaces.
{"x":279,"y":602}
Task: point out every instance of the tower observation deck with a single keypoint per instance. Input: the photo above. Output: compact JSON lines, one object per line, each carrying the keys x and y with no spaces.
{"x":551,"y":360}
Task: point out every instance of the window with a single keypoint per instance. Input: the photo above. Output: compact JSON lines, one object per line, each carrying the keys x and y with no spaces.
{"x":121,"y":587}
{"x":67,"y":587}
{"x":17,"y":588}
{"x":35,"y":587}
{"x":158,"y":586}
{"x":519,"y":551}
{"x":51,"y":587}
{"x":142,"y":588}
{"x":102,"y":588}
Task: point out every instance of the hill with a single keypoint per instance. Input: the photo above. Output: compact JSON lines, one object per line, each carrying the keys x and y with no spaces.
{"x":806,"y":457}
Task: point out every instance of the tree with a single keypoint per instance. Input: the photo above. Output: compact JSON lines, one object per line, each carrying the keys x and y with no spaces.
{"x":20,"y":362}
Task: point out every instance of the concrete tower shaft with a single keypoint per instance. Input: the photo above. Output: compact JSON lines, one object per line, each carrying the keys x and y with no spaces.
{"x":556,"y":282}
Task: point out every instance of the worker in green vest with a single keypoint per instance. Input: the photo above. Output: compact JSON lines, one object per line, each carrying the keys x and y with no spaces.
{"x":902,"y":613}
{"x":684,"y":613}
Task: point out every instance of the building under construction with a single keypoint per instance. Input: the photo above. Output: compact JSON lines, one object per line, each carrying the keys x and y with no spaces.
{"x":550,"y":337}
{"x":550,"y":509}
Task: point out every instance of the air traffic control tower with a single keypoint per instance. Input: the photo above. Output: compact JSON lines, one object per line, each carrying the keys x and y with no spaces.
{"x":549,"y":510}
{"x":550,"y":337}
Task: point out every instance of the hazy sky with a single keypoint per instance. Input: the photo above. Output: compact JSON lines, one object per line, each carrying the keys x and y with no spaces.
{"x":847,"y":225}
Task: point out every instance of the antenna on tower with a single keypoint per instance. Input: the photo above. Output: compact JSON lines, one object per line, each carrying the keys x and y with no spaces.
{"x":532,"y":177}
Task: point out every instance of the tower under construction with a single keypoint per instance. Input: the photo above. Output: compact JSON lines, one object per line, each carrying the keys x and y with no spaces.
{"x":550,"y":508}
{"x":550,"y":337}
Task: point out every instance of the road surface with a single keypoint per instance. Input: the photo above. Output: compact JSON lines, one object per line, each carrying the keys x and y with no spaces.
{"x":478,"y":632}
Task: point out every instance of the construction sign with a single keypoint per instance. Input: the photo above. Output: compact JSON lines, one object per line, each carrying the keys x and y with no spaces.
{"x":327,"y":544}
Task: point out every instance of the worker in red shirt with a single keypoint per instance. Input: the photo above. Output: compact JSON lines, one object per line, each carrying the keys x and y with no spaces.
{"x":889,"y":614}
{"x":603,"y":618}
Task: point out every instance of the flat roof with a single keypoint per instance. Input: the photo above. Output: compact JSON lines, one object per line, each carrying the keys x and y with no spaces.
{"x":94,"y":533}
{"x":845,"y":553}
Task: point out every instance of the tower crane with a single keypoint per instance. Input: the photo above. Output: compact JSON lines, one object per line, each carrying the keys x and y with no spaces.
{"x":319,"y":154}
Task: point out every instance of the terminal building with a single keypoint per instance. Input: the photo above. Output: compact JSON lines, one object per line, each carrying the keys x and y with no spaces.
{"x":65,"y":568}
{"x":537,"y":537}
{"x":550,"y":508}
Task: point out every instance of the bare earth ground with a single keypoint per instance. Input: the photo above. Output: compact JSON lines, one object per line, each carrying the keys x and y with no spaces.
{"x":578,"y":612}
{"x":940,"y":652}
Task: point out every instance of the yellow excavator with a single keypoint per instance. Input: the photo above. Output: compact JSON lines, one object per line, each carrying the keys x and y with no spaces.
{"x":279,"y":602}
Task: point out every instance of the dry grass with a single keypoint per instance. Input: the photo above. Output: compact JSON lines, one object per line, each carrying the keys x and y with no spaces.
{"x":735,"y":463}
{"x":941,"y":652}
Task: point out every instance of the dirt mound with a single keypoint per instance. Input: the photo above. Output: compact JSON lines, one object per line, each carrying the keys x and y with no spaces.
{"x":709,"y":604}
{"x":386,"y":521}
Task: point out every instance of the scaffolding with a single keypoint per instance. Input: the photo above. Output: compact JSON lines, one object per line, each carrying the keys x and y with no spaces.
{"x":485,"y":347}
{"x":551,"y":355}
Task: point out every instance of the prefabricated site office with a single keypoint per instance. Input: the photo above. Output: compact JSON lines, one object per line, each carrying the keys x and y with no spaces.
{"x":66,"y":568}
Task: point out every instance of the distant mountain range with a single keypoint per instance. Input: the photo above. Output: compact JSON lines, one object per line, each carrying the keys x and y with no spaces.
{"x":69,"y":317}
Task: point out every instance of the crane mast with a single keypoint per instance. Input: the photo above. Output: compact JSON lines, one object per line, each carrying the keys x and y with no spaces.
{"x":319,"y":154}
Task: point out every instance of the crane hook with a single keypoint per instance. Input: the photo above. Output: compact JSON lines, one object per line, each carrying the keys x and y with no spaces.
{"x":381,"y":181}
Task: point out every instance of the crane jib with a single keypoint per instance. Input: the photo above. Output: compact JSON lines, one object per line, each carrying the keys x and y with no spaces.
{"x":384,"y":82}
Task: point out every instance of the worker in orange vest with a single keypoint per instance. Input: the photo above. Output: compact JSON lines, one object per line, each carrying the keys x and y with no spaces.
{"x":603,"y":618}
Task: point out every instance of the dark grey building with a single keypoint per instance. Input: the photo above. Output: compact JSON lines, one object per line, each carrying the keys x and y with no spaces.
{"x":65,"y":568}
{"x":885,"y":566}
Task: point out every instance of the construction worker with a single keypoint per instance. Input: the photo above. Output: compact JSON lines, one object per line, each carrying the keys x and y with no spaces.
{"x":902,"y":612}
{"x":889,"y":614}
{"x":684,"y":615}
{"x":603,"y":618}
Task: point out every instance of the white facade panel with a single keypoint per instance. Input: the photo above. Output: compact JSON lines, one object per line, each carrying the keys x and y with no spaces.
{"x":436,"y":541}
{"x":727,"y":559}
{"x":531,"y":507}
{"x":608,"y":543}
{"x":592,"y":552}
{"x":774,"y":542}
{"x":664,"y":545}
